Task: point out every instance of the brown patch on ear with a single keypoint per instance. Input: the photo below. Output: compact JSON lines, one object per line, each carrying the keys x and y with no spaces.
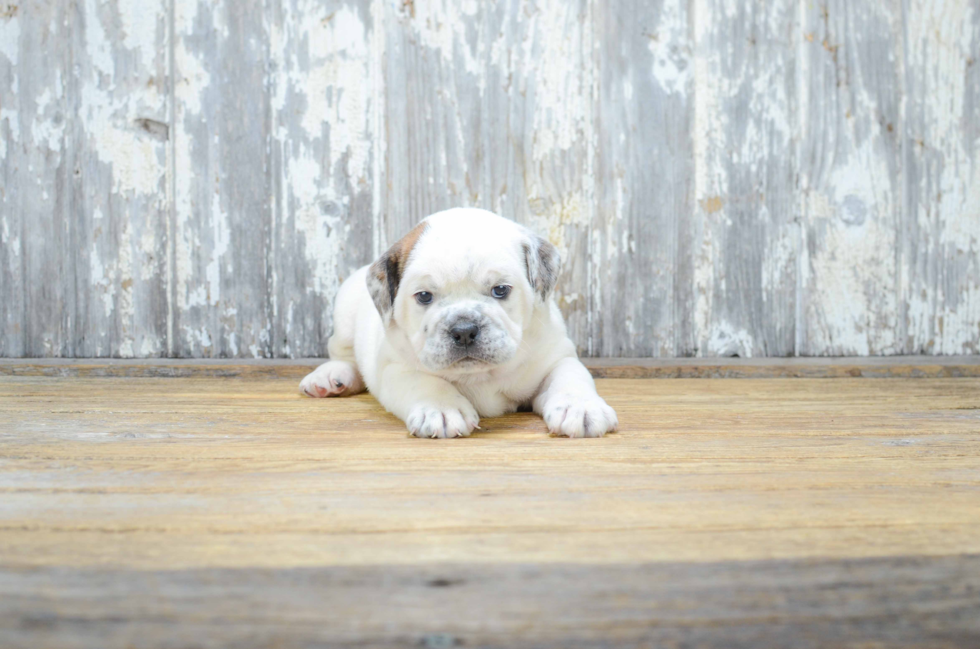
{"x":385,"y":274}
{"x":543,"y":265}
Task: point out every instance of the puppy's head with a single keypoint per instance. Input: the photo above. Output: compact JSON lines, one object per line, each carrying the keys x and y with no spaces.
{"x":463,"y":286}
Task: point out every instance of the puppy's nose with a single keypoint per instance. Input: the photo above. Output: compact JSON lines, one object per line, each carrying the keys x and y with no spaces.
{"x":464,"y":333}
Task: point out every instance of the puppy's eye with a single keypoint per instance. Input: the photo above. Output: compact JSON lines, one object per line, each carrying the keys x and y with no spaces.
{"x":500,"y":292}
{"x":423,"y":297}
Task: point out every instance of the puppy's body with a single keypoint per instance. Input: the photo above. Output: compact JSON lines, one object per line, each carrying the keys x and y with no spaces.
{"x":488,"y":340}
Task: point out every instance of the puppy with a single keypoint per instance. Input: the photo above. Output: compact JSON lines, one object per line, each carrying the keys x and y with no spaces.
{"x":456,"y":322}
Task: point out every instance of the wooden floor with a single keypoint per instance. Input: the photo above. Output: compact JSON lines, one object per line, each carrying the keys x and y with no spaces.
{"x":207,"y":512}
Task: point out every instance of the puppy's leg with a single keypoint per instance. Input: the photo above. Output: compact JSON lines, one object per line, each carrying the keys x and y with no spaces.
{"x":333,"y":379}
{"x":339,"y":376}
{"x":429,"y":406}
{"x":570,"y":405}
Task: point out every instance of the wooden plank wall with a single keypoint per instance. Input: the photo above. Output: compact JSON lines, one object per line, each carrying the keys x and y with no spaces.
{"x":194,"y":178}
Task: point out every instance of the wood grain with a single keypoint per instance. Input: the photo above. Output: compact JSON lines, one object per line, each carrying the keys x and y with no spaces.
{"x":434,"y":63}
{"x":539,"y":91}
{"x":895,"y":602}
{"x":37,"y":161}
{"x":119,"y":207}
{"x":222,"y":279}
{"x":509,"y":129}
{"x":941,"y":229}
{"x":725,"y":513}
{"x":745,"y":236}
{"x":851,"y":179}
{"x":325,"y":101}
{"x":642,"y":290}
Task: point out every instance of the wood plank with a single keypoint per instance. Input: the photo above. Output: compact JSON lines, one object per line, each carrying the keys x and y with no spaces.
{"x":941,"y":229}
{"x":745,"y":235}
{"x":896,"y":602}
{"x":324,"y":106}
{"x":223,"y":186}
{"x":643,"y":292}
{"x":119,"y":204}
{"x":489,"y":105}
{"x":851,"y":175}
{"x":724,"y":513}
{"x":156,"y":473}
{"x":36,"y":164}
{"x":613,"y":368}
{"x":434,"y":64}
{"x":12,"y":156}
{"x":537,"y":139}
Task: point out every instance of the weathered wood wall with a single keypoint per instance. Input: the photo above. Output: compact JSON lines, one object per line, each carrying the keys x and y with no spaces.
{"x":196,"y":177}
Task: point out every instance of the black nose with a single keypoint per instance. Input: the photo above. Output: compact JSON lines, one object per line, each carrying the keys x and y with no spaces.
{"x":464,"y":333}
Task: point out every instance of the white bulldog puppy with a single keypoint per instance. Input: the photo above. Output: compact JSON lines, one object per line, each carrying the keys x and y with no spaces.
{"x":456,"y":322}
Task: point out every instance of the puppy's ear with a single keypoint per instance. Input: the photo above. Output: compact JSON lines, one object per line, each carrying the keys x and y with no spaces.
{"x":543,"y":265}
{"x":385,"y":274}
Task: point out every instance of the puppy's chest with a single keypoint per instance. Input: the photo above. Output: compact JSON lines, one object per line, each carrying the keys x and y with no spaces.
{"x":488,"y":399}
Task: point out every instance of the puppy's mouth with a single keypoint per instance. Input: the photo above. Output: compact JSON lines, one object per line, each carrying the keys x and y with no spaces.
{"x":464,"y":351}
{"x":469,"y":360}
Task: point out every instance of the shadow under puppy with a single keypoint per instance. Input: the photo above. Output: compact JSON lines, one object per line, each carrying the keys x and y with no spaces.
{"x":455,"y":322}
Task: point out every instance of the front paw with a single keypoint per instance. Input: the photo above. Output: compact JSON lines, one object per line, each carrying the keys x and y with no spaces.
{"x":332,"y":379}
{"x":442,"y":420}
{"x":569,"y":415}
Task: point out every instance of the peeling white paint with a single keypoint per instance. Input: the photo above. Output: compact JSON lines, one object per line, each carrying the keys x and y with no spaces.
{"x":329,"y":142}
{"x":779,"y":260}
{"x":377,"y":124}
{"x":943,"y":46}
{"x":726,"y":340}
{"x":320,"y":230}
{"x":186,"y":239}
{"x":671,"y":60}
{"x":441,"y":26}
{"x":559,"y":123}
{"x":198,"y":338}
{"x":743,"y":135}
{"x":139,"y":27}
{"x":10,"y":40}
{"x":109,"y":117}
{"x":339,"y":66}
{"x":98,"y":47}
{"x":330,"y":134}
{"x":220,"y":240}
{"x":149,"y":348}
{"x":711,"y":123}
{"x":559,"y":219}
{"x":100,"y":282}
{"x":538,"y":56}
{"x":192,"y":80}
{"x":136,"y":164}
{"x":48,"y":126}
{"x":852,"y":281}
{"x":9,"y":58}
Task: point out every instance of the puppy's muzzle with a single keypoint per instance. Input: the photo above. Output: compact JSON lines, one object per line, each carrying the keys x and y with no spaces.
{"x":464,"y":333}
